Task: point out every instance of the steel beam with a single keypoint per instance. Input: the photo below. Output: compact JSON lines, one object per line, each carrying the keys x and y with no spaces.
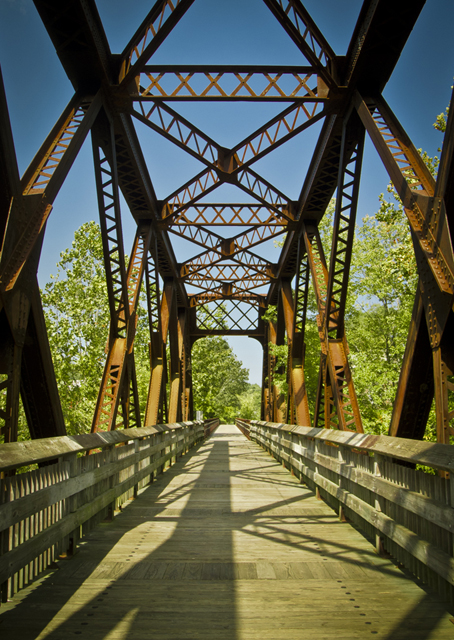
{"x":157,"y":401}
{"x":299,"y":25}
{"x":335,"y":350}
{"x":25,"y":359}
{"x":415,"y":187}
{"x":159,"y":22}
{"x":119,"y":370}
{"x":415,"y":390}
{"x":281,"y":84}
{"x":40,"y":185}
{"x":297,"y":403}
{"x":343,"y":231}
{"x":280,"y":129}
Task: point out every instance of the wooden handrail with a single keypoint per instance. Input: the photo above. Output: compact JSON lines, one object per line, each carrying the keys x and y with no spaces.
{"x":431,"y":454}
{"x":43,"y":511}
{"x":409,"y":513}
{"x":14,"y":455}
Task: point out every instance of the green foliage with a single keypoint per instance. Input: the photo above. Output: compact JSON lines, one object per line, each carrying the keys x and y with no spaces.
{"x":218,"y":379}
{"x":250,"y":401}
{"x":270,"y":315}
{"x":280,"y":353}
{"x":440,"y":122}
{"x":77,"y":318}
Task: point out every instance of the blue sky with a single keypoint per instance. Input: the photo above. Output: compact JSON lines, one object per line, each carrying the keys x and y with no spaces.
{"x":214,"y":32}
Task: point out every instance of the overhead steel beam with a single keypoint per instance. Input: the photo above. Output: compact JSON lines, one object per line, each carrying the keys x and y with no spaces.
{"x":293,"y":120}
{"x":277,"y":84}
{"x":159,"y":22}
{"x":41,"y":184}
{"x":382,"y":29}
{"x":79,"y":39}
{"x":299,"y":25}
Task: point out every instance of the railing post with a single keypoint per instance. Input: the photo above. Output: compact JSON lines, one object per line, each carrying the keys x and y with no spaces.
{"x":379,"y":461}
{"x":136,"y":466}
{"x":75,"y":536}
{"x":113,"y":479}
{"x":341,"y":460}
{"x":316,"y":454}
{"x":5,"y":536}
{"x":451,"y":502}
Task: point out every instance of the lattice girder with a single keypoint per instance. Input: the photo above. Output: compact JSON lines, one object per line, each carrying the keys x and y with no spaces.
{"x":233,"y":276}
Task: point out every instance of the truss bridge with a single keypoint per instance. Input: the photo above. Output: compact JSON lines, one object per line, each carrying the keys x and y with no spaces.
{"x":226,"y":253}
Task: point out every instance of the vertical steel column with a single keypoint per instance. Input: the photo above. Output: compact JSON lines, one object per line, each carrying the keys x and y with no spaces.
{"x":297,"y":397}
{"x":159,"y":317}
{"x":343,"y":228}
{"x":176,"y":338}
{"x":301,"y":405}
{"x":335,"y":374}
{"x":277,"y":338}
{"x":415,"y":390}
{"x":265,"y":412}
{"x":114,"y":261}
{"x":188,"y":400}
{"x":119,"y":382}
{"x":444,"y":360}
{"x":331,"y":290}
{"x":10,"y":367}
{"x":123,"y":286}
{"x":325,"y":412}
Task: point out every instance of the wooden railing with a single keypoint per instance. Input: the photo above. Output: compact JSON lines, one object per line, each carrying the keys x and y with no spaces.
{"x":210,"y":426}
{"x":44,"y":511}
{"x":375,"y":482}
{"x":244,"y":426}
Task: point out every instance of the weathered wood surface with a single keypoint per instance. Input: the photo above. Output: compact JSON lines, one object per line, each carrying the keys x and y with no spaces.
{"x":17,"y":454}
{"x":226,"y":544}
{"x":409,"y":512}
{"x":42,"y":511}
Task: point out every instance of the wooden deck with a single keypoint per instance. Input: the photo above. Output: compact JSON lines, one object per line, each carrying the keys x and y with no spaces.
{"x":225,"y":545}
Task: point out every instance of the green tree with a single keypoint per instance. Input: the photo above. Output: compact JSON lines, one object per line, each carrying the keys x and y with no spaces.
{"x":250,"y":401}
{"x":77,"y":317}
{"x":383,"y":284}
{"x":218,"y":378}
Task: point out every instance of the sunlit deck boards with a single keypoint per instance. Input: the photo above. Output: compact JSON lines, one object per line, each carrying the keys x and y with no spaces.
{"x":226,"y":544}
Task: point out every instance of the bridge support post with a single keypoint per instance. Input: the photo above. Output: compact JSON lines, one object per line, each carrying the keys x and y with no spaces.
{"x":336,"y":392}
{"x":297,"y":404}
{"x":123,"y":287}
{"x":74,"y":536}
{"x":157,"y":400}
{"x":177,"y":333}
{"x":379,"y":461}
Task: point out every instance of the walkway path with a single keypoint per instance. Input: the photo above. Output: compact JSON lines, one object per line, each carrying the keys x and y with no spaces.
{"x":226,"y":545}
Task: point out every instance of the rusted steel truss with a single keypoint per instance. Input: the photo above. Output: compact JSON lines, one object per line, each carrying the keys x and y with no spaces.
{"x":228,"y":281}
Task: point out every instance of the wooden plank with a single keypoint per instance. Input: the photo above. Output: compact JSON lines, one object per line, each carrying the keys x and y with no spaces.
{"x":227,"y":544}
